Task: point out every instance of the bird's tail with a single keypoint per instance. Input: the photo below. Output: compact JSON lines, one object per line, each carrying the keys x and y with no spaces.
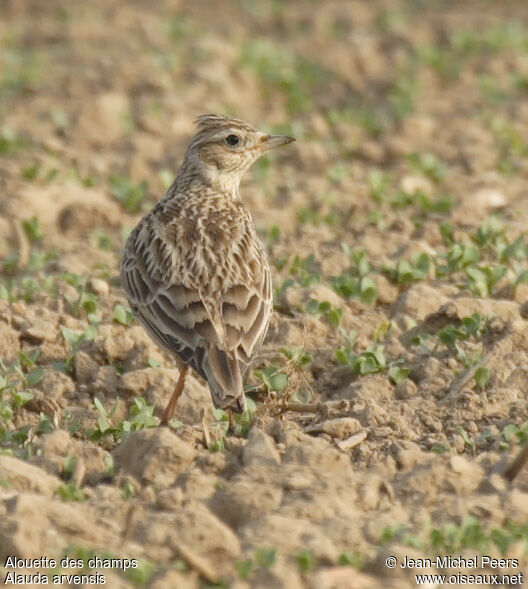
{"x":225,"y":380}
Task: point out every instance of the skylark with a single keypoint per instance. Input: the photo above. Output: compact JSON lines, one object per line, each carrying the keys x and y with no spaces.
{"x":194,"y":271}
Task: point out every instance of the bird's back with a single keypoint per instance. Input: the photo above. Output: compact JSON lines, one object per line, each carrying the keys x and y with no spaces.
{"x":198,"y":279}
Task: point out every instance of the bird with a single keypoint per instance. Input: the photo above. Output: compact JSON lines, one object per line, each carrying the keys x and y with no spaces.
{"x":194,"y":270}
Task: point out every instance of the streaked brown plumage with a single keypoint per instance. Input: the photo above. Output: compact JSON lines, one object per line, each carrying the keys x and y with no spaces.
{"x":194,"y":270}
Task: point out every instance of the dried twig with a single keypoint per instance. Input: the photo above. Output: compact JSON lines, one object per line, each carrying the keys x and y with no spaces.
{"x":205,"y":431}
{"x":302,"y":407}
{"x":463,"y":378}
{"x":352,"y":441}
{"x":79,"y":472}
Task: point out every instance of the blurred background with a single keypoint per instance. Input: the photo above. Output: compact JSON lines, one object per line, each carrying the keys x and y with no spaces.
{"x":396,"y":232}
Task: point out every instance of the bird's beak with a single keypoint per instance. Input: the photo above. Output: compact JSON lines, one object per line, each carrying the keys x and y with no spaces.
{"x":271,"y":141}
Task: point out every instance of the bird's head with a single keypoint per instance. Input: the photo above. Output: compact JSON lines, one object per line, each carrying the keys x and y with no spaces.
{"x":224,"y":148}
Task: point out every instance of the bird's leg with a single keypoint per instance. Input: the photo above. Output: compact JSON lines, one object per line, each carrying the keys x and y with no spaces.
{"x":169,"y":411}
{"x":232,"y":422}
{"x":206,"y":437}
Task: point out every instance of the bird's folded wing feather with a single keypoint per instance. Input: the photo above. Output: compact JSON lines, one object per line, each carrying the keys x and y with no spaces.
{"x":210,"y":331}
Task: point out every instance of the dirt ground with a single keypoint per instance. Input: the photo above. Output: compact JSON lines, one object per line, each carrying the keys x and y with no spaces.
{"x":391,"y":391}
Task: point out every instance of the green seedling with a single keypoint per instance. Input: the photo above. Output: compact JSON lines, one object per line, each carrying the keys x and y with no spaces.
{"x":325,"y":309}
{"x":272,"y":378}
{"x":407,"y":272}
{"x":299,"y":357}
{"x":123,"y":315}
{"x":266,"y":557}
{"x":70,"y":492}
{"x":131,"y":196}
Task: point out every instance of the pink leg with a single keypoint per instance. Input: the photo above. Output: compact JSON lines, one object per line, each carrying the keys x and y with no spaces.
{"x":169,"y":411}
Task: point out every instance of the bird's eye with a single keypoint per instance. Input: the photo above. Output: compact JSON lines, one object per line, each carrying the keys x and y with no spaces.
{"x":232,"y":140}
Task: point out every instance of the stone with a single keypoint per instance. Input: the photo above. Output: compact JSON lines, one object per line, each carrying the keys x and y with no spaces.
{"x":412,"y":184}
{"x":54,"y":448}
{"x":169,"y":499}
{"x":322,"y":293}
{"x":341,"y":427}
{"x":195,"y":402}
{"x":387,"y":291}
{"x":290,"y":535}
{"x":31,"y":524}
{"x":154,"y":456}
{"x":488,"y":198}
{"x":198,"y":484}
{"x":9,"y":341}
{"x":19,"y":475}
{"x":521,"y":294}
{"x":85,"y":368}
{"x":39,"y":330}
{"x":260,"y":449}
{"x":55,"y":384}
{"x":192,"y":529}
{"x":465,"y":476}
{"x":318,"y":454}
{"x":122,"y":344}
{"x":342,"y":578}
{"x":406,"y":389}
{"x":175,"y":579}
{"x":243,"y":499}
{"x":419,"y":301}
{"x":99,"y":287}
{"x":279,"y":576}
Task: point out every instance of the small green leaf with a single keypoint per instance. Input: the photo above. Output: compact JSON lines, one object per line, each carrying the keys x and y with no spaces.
{"x":28,"y":360}
{"x":220,"y":414}
{"x":278,"y":382}
{"x":266,"y":557}
{"x":305,"y":561}
{"x":379,"y":354}
{"x":33,"y":229}
{"x":44,"y":426}
{"x":272,"y":379}
{"x":343,"y":356}
{"x":128,"y":490}
{"x":6,"y":411}
{"x":22,"y":397}
{"x":103,"y":423}
{"x":34,"y":377}
{"x":122,"y":315}
{"x":397,"y":373}
{"x":334,"y":316}
{"x":482,"y":376}
{"x":89,"y":302}
{"x":89,"y":334}
{"x":70,"y":336}
{"x":353,"y":559}
{"x":439,"y":448}
{"x":99,"y":406}
{"x":70,"y":492}
{"x":312,"y":307}
{"x":70,"y":463}
{"x":251,"y":405}
{"x":244,"y":568}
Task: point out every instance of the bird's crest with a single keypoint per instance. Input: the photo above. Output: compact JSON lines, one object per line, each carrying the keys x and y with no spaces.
{"x":216,"y":122}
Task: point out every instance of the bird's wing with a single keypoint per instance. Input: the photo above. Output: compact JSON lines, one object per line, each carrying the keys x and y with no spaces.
{"x":169,"y":311}
{"x":246,"y":310}
{"x":209,"y":331}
